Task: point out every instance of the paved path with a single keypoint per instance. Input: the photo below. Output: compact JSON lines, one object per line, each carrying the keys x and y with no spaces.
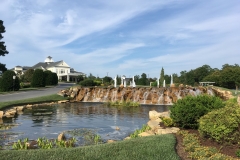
{"x":18,"y":95}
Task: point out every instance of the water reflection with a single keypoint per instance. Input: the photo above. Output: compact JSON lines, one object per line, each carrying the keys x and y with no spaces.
{"x":49,"y":121}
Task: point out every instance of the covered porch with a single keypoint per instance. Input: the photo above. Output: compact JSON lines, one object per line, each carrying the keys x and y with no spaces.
{"x":69,"y":77}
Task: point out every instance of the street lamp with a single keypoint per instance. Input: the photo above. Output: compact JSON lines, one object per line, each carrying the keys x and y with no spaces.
{"x":14,"y":77}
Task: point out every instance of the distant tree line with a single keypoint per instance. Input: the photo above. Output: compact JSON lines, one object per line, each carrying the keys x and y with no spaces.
{"x":228,"y":77}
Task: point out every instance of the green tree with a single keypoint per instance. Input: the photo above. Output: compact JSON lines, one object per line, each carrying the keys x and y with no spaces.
{"x":136,"y":79}
{"x":2,"y":68}
{"x":118,"y":80}
{"x":48,"y":77}
{"x":107,"y":79}
{"x":3,"y":49}
{"x":91,"y":76}
{"x":201,"y":72}
{"x":187,"y":77}
{"x":143,"y":80}
{"x":167,"y":79}
{"x":27,"y":77}
{"x":161,"y":77}
{"x":38,"y":79}
{"x":55,"y":78}
{"x":176,"y":78}
{"x":8,"y":83}
{"x":80,"y":78}
{"x":214,"y":77}
{"x":230,"y":76}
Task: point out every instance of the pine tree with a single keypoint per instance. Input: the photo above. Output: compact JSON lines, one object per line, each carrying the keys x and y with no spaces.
{"x":3,"y":50}
{"x":161,"y":77}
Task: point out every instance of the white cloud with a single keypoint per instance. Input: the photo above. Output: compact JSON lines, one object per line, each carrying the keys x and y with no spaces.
{"x":99,"y":36}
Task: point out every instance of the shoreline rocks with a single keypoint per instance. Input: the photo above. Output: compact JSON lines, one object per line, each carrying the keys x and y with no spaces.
{"x":10,"y":113}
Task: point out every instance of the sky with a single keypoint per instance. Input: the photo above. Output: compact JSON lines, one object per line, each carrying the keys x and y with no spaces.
{"x":116,"y":37}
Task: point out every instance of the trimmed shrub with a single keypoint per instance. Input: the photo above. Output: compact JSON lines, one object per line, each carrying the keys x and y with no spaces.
{"x":55,"y":78}
{"x":87,"y":82}
{"x":7,"y":82}
{"x":222,"y":125}
{"x":187,"y":111}
{"x":38,"y":79}
{"x":27,"y":77}
{"x":168,"y":122}
{"x":49,"y":78}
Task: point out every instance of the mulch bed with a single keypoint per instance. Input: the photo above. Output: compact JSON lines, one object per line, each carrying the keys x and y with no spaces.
{"x":229,"y":150}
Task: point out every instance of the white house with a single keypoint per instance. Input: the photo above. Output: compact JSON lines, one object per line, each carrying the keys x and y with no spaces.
{"x":63,"y":70}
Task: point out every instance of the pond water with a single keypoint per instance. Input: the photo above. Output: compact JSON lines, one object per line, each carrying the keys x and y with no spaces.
{"x":55,"y":119}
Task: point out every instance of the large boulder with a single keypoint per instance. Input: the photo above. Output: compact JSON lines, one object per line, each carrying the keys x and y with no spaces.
{"x":61,"y":137}
{"x":154,"y":115}
{"x":147,"y":133}
{"x":1,"y":114}
{"x":153,"y":124}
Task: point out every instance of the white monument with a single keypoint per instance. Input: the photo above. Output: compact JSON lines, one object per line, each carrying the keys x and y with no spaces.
{"x":123,"y":81}
{"x":133,"y":82}
{"x":171,"y":80}
{"x":164,"y":83}
{"x":115,"y":82}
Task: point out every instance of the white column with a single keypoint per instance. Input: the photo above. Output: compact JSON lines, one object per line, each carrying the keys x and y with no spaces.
{"x":67,"y":77}
{"x":115,"y":82}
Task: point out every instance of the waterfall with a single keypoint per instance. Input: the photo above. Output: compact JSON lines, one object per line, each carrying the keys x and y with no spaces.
{"x":114,"y":96}
{"x":145,"y":95}
{"x":160,"y":98}
{"x":105,"y":98}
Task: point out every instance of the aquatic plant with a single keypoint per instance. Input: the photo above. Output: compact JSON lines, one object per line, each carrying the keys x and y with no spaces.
{"x":122,"y":103}
{"x":19,"y":145}
{"x":44,"y":143}
{"x":136,"y":133}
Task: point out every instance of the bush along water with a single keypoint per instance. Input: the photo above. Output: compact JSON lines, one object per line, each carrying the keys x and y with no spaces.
{"x":122,"y":103}
{"x":43,"y":143}
{"x":168,"y":122}
{"x":20,"y":144}
{"x":222,"y":125}
{"x":186,"y":112}
{"x":84,"y":137}
{"x":136,"y":133}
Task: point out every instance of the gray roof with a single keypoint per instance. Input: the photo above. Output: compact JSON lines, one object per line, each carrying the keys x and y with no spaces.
{"x":45,"y":64}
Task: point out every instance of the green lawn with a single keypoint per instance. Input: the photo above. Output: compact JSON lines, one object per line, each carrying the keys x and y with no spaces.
{"x":49,"y":98}
{"x":160,"y":147}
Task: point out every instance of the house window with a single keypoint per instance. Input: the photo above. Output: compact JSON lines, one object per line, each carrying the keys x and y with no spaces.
{"x":62,"y":71}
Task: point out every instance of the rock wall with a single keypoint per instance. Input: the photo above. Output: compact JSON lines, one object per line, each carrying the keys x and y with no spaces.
{"x":142,"y":95}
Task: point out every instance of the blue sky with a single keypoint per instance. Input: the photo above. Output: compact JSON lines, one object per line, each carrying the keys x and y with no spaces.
{"x":122,"y":37}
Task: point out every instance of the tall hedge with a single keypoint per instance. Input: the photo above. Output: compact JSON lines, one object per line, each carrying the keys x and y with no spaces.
{"x":50,"y":78}
{"x":55,"y":78}
{"x":38,"y":79}
{"x":7,"y":83}
{"x":187,"y":111}
{"x":222,"y":125}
